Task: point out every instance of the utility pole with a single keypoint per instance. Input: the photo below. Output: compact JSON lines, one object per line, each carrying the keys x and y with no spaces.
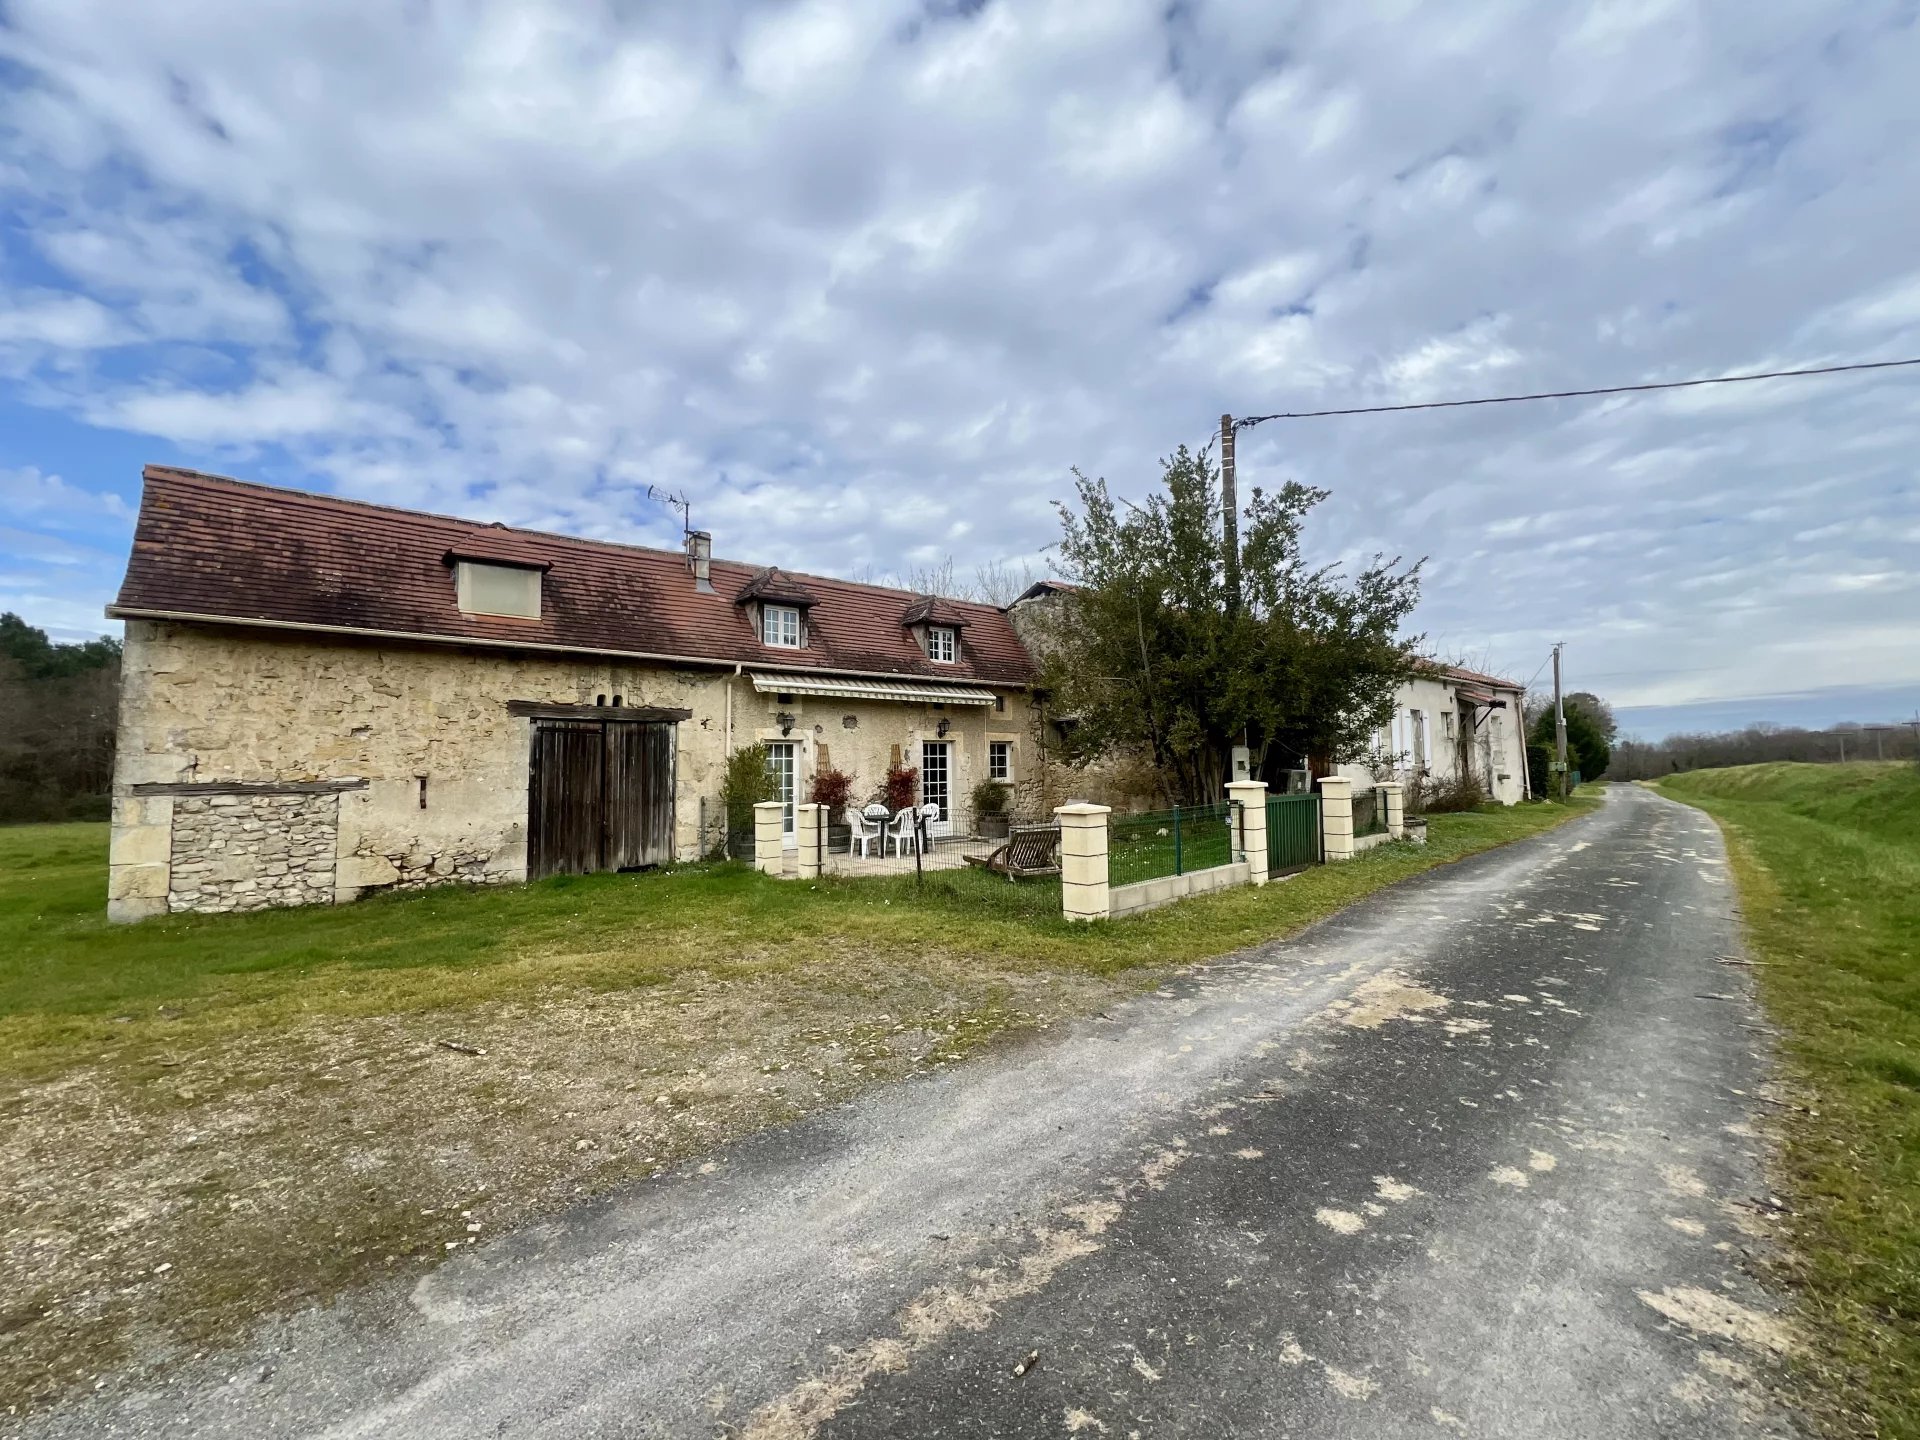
{"x":1841,"y":736}
{"x":1230,"y":517}
{"x":1559,"y":723}
{"x":1879,"y":750}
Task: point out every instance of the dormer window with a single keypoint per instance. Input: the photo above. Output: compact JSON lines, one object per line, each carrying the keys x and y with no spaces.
{"x":510,"y":590}
{"x":780,"y":626}
{"x":942,"y":643}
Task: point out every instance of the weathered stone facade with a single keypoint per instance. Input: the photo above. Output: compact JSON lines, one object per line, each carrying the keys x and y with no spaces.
{"x":252,"y":852}
{"x":434,"y":767}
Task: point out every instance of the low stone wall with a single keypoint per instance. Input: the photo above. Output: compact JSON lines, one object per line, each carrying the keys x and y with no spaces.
{"x":252,"y":852}
{"x":1152,"y":894}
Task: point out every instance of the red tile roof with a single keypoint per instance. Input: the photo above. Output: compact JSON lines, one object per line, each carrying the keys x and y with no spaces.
{"x":229,"y":550}
{"x":1472,"y":677}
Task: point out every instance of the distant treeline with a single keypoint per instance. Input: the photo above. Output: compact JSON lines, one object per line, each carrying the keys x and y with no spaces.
{"x":1642,"y":760}
{"x":58,"y":705}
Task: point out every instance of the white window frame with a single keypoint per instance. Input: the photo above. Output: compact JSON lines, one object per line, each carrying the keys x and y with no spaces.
{"x":943,"y":644}
{"x":780,"y":626}
{"x":471,"y":573}
{"x":1000,"y":760}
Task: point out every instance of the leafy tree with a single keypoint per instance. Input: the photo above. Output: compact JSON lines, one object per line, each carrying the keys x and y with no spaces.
{"x":39,"y":658}
{"x":1587,"y":748}
{"x":1600,"y":711}
{"x":1155,"y":656}
{"x":58,"y":712}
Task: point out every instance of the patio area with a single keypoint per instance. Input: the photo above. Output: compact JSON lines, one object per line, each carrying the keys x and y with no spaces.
{"x":948,"y":852}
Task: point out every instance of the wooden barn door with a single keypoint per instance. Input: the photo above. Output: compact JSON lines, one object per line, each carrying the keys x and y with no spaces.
{"x":599,"y":796}
{"x":639,"y":795}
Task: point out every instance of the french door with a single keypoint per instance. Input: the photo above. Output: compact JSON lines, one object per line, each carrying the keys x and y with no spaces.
{"x":780,"y":764}
{"x":936,"y":783}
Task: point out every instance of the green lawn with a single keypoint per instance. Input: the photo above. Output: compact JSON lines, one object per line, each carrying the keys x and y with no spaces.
{"x":1827,"y":859}
{"x":279,"y":1105}
{"x":69,"y":980}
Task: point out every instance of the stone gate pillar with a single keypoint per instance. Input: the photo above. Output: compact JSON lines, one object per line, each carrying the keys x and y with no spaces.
{"x":1250,"y":797}
{"x":1336,"y":817}
{"x":809,"y":830}
{"x":1394,"y":795}
{"x":768,"y":822}
{"x":1083,"y":861}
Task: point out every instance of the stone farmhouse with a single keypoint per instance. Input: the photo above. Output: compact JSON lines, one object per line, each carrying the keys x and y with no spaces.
{"x":323,"y":698}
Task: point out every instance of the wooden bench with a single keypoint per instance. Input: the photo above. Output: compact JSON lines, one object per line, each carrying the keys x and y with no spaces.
{"x":1030,"y":851}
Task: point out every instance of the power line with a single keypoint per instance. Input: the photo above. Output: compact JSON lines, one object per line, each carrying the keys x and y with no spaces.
{"x":1246,"y":422}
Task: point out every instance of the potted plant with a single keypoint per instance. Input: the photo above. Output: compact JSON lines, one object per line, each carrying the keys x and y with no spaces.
{"x":834,"y":789}
{"x":990,"y":801}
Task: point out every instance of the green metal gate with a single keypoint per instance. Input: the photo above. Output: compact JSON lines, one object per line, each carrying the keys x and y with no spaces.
{"x":1293,"y":832}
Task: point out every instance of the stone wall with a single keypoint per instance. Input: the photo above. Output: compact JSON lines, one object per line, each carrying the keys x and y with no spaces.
{"x":252,"y":852}
{"x":437,"y":764}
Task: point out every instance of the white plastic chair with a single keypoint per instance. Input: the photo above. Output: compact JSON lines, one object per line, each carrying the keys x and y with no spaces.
{"x":903,"y":832}
{"x":866,"y":832}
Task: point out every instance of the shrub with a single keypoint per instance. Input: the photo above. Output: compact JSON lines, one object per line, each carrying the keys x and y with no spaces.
{"x":748,"y":781}
{"x":833,"y":789}
{"x":903,"y":786}
{"x":991,"y":797}
{"x":1430,"y":796}
{"x":1540,"y":769}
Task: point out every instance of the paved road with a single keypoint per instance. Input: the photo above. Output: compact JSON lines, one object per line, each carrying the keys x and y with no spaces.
{"x":1469,"y":1158}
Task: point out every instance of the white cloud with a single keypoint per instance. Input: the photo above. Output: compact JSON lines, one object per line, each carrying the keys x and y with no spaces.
{"x":865,"y":278}
{"x":58,"y":321}
{"x":30,"y":494}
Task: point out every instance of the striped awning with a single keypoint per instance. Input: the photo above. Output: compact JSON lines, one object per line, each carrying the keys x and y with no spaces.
{"x":908,"y":692}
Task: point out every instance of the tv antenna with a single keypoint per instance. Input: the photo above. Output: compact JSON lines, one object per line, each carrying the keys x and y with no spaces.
{"x":675,"y":502}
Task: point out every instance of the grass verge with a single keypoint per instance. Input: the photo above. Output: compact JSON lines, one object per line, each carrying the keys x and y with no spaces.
{"x":204,"y":1118}
{"x":1827,"y":860}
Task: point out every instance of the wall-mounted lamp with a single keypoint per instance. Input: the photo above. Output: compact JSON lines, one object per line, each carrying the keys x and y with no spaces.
{"x":942,"y":728}
{"x":785,"y":721}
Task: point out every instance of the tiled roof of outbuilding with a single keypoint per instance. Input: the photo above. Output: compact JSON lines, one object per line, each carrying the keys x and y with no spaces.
{"x":230,"y":550}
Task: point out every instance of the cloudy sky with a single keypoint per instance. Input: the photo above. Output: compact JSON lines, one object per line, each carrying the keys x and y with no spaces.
{"x":864,"y":279}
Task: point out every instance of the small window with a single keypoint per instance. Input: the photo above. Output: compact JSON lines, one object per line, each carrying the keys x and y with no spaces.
{"x":780,"y":625}
{"x":499,"y":590}
{"x":999,"y":759}
{"x":940,"y":644}
{"x":1446,"y":723}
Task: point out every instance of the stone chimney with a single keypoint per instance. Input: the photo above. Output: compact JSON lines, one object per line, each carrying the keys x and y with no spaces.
{"x":700,"y":560}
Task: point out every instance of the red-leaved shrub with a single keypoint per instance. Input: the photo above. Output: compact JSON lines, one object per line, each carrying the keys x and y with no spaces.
{"x":903,"y":786}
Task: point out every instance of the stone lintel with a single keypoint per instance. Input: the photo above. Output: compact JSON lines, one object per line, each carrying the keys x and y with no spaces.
{"x":248,"y":787}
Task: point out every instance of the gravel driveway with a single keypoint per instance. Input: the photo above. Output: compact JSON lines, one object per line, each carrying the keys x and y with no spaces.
{"x":1474,"y":1156}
